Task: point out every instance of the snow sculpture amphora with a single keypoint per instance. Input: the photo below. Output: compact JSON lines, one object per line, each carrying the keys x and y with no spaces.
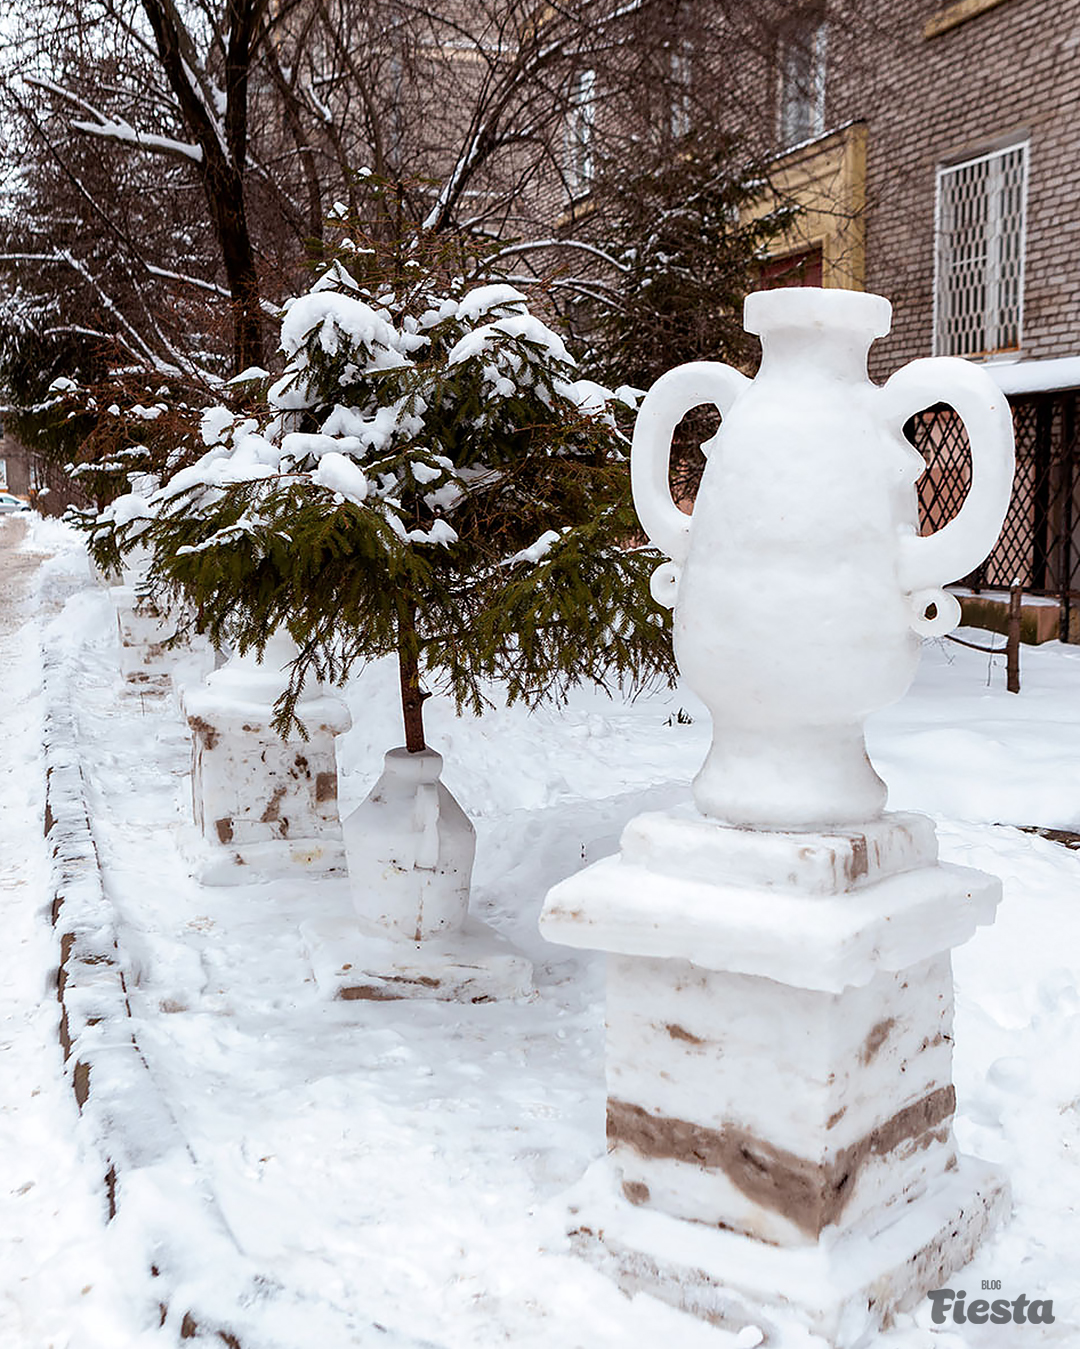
{"x":800,"y":584}
{"x":779,"y":983}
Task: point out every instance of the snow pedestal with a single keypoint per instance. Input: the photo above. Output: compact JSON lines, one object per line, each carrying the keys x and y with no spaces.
{"x":144,"y":632}
{"x":148,"y":653}
{"x":780,"y":1101}
{"x":102,"y":577}
{"x":266,"y":807}
{"x":410,"y":851}
{"x":780,"y":992}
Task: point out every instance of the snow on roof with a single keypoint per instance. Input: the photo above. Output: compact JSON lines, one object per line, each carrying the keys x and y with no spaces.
{"x":1017,"y":377}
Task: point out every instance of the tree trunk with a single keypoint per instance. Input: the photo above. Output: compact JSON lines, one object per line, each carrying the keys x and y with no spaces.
{"x":225,"y":192}
{"x":1012,"y":639}
{"x":412,"y":695}
{"x":222,"y":166}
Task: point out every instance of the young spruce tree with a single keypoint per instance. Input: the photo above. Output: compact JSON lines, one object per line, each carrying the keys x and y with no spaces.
{"x":428,"y":478}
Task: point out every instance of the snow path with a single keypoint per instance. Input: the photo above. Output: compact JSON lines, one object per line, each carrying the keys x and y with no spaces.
{"x":58,"y":1288}
{"x":380,"y":1164}
{"x":391,"y":1174}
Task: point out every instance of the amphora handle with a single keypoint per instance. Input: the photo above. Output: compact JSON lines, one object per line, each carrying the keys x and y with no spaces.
{"x":927,"y":562}
{"x":667,"y":402}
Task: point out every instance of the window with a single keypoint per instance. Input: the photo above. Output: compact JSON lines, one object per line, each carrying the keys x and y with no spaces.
{"x":802,"y":80}
{"x":979,"y":254}
{"x":580,"y":128}
{"x":679,"y":61}
{"x":795,"y":269}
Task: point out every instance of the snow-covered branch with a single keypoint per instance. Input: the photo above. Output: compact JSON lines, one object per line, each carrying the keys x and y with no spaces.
{"x":534,"y":244}
{"x":116,"y":128}
{"x":270,"y":310}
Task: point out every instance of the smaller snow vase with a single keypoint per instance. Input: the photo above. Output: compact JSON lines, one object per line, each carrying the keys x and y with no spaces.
{"x":801,"y":584}
{"x":410,"y":850}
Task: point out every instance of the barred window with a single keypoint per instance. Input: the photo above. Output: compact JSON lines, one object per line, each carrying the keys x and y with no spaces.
{"x":979,"y":254}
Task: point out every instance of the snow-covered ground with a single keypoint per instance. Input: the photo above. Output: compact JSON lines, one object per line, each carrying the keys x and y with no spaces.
{"x":391,"y":1174}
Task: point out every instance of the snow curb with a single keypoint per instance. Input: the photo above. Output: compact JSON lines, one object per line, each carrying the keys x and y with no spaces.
{"x":123,"y":1115}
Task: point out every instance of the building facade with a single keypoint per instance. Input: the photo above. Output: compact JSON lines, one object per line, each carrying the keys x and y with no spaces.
{"x":968,"y":180}
{"x":941,"y":169}
{"x":16,"y":470}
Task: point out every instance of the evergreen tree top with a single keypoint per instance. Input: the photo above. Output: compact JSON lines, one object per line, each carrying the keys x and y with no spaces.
{"x":428,"y":476}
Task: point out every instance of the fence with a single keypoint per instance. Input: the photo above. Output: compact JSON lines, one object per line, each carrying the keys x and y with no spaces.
{"x":1040,"y":541}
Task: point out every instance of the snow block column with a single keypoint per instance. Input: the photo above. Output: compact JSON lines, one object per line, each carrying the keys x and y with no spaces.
{"x":779,"y":1053}
{"x":266,"y":807}
{"x":143,"y":632}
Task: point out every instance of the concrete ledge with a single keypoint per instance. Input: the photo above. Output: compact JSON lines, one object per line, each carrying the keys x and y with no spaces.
{"x":1040,"y":619}
{"x":125,"y":1120}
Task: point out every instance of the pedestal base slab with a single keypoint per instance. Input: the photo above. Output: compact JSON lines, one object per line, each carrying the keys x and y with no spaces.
{"x":474,"y":964}
{"x":269,"y":860}
{"x":842,"y":1288}
{"x":653,"y":900}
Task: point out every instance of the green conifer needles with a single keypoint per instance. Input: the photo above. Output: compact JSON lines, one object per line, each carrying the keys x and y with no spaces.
{"x":429,"y":479}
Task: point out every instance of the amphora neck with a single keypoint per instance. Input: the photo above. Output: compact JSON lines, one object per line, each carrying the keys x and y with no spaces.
{"x":821,"y":332}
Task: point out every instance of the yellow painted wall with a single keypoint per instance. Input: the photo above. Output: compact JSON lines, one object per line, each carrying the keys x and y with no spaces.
{"x":827,"y":179}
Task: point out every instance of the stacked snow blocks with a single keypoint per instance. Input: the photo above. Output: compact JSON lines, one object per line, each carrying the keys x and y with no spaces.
{"x":779,"y":1056}
{"x":143,"y":632}
{"x":268,"y":803}
{"x":776,"y":1111}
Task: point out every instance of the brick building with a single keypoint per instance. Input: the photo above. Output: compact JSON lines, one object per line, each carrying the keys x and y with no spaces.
{"x":938,"y":161}
{"x":940,"y":147}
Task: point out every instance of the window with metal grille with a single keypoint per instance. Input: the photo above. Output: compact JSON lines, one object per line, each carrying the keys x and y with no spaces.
{"x":979,"y":255}
{"x":802,"y":80}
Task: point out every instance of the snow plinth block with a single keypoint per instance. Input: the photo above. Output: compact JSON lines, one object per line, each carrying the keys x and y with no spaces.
{"x":265,"y":807}
{"x":143,"y":632}
{"x":779,"y":1063}
{"x":844,"y":1289}
{"x":354,"y":962}
{"x":819,"y":911}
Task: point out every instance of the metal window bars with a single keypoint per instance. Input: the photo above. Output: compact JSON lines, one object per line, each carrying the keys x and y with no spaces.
{"x":979,"y":253}
{"x":1040,"y":540}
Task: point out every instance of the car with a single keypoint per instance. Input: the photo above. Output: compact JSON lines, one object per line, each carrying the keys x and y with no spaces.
{"x":10,"y":502}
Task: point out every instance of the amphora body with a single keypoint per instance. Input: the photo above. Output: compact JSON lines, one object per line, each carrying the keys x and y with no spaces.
{"x":800,"y":584}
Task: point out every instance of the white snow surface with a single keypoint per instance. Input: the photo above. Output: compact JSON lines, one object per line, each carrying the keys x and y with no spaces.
{"x":1020,"y":377}
{"x":124,"y":509}
{"x":392,"y":1173}
{"x":482,"y":299}
{"x":336,"y":315}
{"x":338,"y":473}
{"x":526,"y":326}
